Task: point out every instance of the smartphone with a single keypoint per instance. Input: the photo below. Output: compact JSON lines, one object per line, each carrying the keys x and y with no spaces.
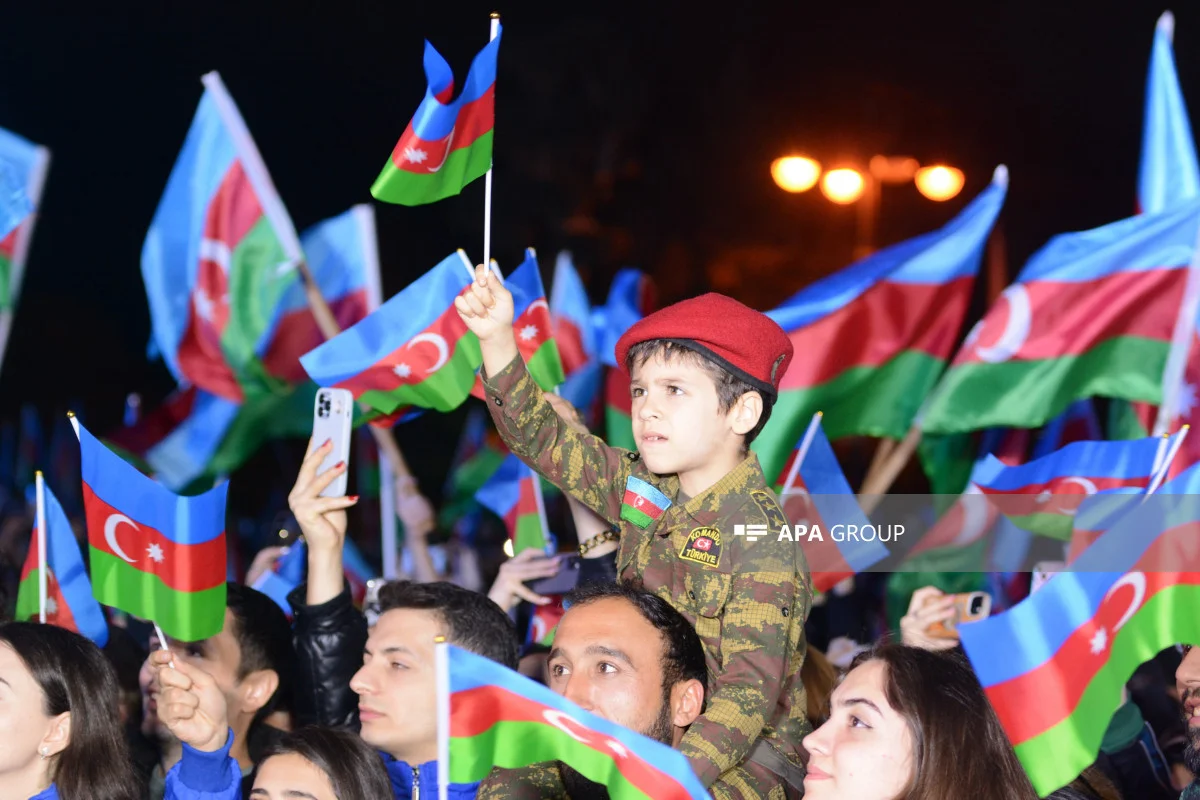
{"x":332,"y":419}
{"x":968,"y":607}
{"x":561,"y":582}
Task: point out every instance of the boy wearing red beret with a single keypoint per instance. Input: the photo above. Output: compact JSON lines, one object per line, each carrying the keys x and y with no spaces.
{"x":704,"y":375}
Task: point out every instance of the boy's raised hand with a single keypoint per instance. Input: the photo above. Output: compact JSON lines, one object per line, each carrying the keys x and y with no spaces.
{"x":488,"y":307}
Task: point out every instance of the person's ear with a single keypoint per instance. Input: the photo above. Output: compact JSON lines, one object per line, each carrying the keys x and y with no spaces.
{"x":746,"y":412}
{"x":58,"y":736}
{"x":687,"y":702}
{"x":257,"y":688}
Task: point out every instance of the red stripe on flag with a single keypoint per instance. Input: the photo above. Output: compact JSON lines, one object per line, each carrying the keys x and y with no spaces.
{"x":870,"y":331}
{"x":185,"y":568}
{"x":1071,"y":318}
{"x":569,"y":339}
{"x":151,"y":429}
{"x":642,"y":504}
{"x":8,"y":245}
{"x":424,"y":157}
{"x":616,"y":391}
{"x":1063,"y":495}
{"x":825,"y":560}
{"x":474,"y":711}
{"x":298,"y":333}
{"x":234,"y":209}
{"x":415,"y":363}
{"x":533,"y":327}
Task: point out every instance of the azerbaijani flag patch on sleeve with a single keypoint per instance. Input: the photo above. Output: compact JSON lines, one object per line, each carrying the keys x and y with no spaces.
{"x":643,"y":503}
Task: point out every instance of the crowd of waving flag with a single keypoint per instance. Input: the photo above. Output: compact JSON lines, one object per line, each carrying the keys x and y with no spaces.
{"x":251,"y":317}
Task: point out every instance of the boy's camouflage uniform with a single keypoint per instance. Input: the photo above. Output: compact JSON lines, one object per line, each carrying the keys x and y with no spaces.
{"x":749,"y":609}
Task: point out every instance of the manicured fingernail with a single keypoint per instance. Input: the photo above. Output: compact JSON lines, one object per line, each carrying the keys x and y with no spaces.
{"x":326,"y":443}
{"x":339,"y":465}
{"x":353,"y":498}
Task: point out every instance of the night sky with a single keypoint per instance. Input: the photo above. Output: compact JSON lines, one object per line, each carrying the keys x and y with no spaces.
{"x":637,"y":134}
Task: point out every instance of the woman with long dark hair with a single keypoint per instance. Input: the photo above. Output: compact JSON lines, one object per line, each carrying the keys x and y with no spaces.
{"x":911,"y":724}
{"x":58,"y":711}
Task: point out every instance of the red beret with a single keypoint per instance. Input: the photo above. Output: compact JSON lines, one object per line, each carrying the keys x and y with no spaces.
{"x":747,"y":343}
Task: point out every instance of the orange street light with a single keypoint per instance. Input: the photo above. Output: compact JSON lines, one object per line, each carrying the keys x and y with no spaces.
{"x":795,"y":173}
{"x":939,"y":182}
{"x":842,"y":186}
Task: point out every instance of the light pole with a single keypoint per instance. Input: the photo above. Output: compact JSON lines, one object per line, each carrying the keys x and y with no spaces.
{"x":849,"y":184}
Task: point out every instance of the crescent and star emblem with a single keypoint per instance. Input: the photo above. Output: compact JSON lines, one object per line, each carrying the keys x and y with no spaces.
{"x":1016,"y":328}
{"x":442,"y":163}
{"x":438,"y":341}
{"x":1138,"y":581}
{"x":110,"y":534}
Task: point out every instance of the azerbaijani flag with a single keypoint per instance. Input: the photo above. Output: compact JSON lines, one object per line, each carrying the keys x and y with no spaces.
{"x":23,"y":167}
{"x":284,"y":575}
{"x":818,"y":494}
{"x":69,"y":600}
{"x":1054,"y":665}
{"x":1043,"y":495}
{"x":1092,"y":313}
{"x":894,"y":316}
{"x":154,"y":554}
{"x":513,"y":494}
{"x":642,"y":502}
{"x":631,"y":296}
{"x":343,"y":256}
{"x":543,"y":622}
{"x":575,"y":334}
{"x":448,"y":143}
{"x":490,"y":716}
{"x":220,"y":254}
{"x":532,"y":327}
{"x":415,"y":350}
{"x":479,"y":454}
{"x":1169,"y":171}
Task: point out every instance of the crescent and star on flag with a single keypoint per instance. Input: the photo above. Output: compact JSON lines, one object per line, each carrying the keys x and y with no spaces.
{"x":154,"y":552}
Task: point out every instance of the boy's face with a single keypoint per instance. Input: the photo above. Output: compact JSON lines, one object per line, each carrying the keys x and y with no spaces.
{"x":677,"y":421}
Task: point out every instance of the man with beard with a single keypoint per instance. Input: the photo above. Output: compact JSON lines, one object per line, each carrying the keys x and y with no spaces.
{"x":1187,"y":682}
{"x":623,"y":654}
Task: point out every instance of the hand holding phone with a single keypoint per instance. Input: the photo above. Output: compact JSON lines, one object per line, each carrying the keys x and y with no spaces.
{"x":968,"y":607}
{"x":332,"y":419}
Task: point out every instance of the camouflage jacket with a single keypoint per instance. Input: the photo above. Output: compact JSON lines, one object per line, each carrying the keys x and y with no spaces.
{"x":747,"y":599}
{"x":545,"y":781}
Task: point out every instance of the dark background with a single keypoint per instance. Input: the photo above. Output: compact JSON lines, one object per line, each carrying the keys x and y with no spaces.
{"x":637,"y":134}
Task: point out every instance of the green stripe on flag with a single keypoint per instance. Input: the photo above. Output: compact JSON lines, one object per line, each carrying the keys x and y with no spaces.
{"x":861,"y":401}
{"x":1055,"y":526}
{"x":187,"y":616}
{"x":639,"y":518}
{"x":413,"y":189}
{"x":5,"y":278}
{"x":444,"y":390}
{"x":1026,"y":394}
{"x":1123,"y":421}
{"x":1053,"y":758}
{"x":27,"y":597}
{"x":619,"y":429}
{"x":545,"y":366}
{"x":512,"y":745}
{"x":256,"y":286}
{"x":528,"y":535}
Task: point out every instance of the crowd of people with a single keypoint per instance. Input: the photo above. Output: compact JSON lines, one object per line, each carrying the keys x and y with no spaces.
{"x":676,"y":630}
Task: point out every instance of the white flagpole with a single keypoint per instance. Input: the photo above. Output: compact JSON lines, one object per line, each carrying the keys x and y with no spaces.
{"x":801,"y":452}
{"x":387,"y":513}
{"x":1160,"y":475}
{"x":41,"y":545}
{"x":1181,"y":344}
{"x":487,"y":191}
{"x":441,"y":658}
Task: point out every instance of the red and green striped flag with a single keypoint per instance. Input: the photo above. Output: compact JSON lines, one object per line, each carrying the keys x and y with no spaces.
{"x":448,"y":143}
{"x":23,"y":167}
{"x":642,"y":503}
{"x":514,"y":494}
{"x":532,"y":327}
{"x":872,"y":339}
{"x":1054,"y":665}
{"x":154,"y":554}
{"x":220,"y":255}
{"x":415,"y":350}
{"x":631,"y":297}
{"x":1092,"y":313}
{"x":490,"y":716}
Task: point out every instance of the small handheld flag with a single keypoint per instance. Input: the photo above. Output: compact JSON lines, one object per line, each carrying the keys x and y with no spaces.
{"x":448,"y":143}
{"x":54,"y":582}
{"x":154,"y":554}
